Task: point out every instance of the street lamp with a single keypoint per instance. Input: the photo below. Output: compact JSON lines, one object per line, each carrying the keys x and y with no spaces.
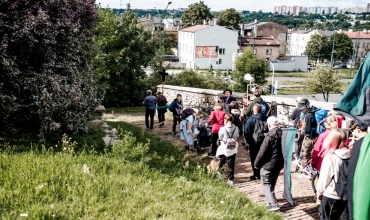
{"x":160,"y":30}
{"x":332,"y":49}
{"x":250,"y":79}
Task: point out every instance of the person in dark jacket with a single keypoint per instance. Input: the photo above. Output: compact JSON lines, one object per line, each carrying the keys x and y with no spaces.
{"x":254,"y":145}
{"x":176,"y":111}
{"x":257,"y":94}
{"x":228,"y":99}
{"x":270,"y":161}
{"x":150,"y":105}
{"x":296,"y":117}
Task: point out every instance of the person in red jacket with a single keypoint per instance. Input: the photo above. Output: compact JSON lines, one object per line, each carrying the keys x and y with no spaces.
{"x":217,"y":119}
{"x":317,"y":155}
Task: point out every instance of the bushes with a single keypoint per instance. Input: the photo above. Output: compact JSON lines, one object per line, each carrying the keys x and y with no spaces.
{"x":46,"y":83}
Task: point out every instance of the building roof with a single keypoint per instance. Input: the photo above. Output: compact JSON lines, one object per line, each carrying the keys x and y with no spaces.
{"x":258,"y":41}
{"x":195,"y":28}
{"x":251,"y":25}
{"x":354,"y":35}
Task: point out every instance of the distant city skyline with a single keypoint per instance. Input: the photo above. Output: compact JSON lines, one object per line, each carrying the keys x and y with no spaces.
{"x":218,"y":5}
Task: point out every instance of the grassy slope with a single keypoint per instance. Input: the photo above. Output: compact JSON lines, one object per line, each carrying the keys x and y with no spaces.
{"x":141,"y":178}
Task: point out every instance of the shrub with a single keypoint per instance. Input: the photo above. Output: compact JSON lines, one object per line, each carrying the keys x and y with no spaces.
{"x":46,"y":83}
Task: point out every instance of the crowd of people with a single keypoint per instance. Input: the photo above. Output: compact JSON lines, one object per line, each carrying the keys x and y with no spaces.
{"x":320,"y":142}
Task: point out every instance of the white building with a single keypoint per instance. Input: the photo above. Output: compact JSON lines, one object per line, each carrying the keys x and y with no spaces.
{"x":197,"y":46}
{"x":357,"y":10}
{"x":288,"y":42}
{"x":299,"y":40}
{"x":322,"y":10}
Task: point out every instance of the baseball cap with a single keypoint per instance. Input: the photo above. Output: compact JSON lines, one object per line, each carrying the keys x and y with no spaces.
{"x":273,"y":120}
{"x":302,"y":104}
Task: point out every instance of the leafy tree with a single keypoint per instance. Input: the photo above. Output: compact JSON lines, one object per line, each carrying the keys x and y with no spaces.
{"x":343,"y":46}
{"x":317,"y":47}
{"x":123,"y":48}
{"x":323,"y":80}
{"x":230,"y":17}
{"x":304,"y":26}
{"x":249,"y":63}
{"x":46,"y":81}
{"x":196,"y":13}
{"x":169,"y":40}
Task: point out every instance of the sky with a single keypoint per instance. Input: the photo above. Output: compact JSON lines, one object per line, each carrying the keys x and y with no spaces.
{"x":217,"y":5}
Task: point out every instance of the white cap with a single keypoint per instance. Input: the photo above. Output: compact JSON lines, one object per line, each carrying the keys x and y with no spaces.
{"x":273,"y":120}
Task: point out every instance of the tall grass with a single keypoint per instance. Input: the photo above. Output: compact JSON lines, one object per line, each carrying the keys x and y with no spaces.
{"x":140,"y":178}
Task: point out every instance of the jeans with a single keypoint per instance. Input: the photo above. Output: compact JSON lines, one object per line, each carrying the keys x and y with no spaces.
{"x":149,"y":113}
{"x":268,"y":179}
{"x":297,"y":148}
{"x":176,"y":119}
{"x":253,"y":151}
{"x":214,"y":143}
{"x":331,"y":208}
{"x":230,"y":164}
{"x":161,"y":113}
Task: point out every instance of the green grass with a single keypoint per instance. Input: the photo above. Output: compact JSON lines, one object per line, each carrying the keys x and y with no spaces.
{"x":300,"y":91}
{"x":126,"y":109}
{"x":140,"y":178}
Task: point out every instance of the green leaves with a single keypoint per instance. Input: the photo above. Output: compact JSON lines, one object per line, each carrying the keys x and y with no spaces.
{"x":343,"y":47}
{"x":249,"y":63}
{"x":318,"y":47}
{"x":195,"y":14}
{"x":230,"y":17}
{"x":323,"y":80}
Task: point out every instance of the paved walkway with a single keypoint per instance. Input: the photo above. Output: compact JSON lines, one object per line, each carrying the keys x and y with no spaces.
{"x":305,"y":208}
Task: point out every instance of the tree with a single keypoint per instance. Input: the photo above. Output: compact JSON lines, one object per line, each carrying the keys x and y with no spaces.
{"x":249,"y":63}
{"x":323,"y":80}
{"x":230,"y":17}
{"x":343,"y":46}
{"x":46,"y":83}
{"x":317,"y":47}
{"x":123,"y":48}
{"x":195,"y":14}
{"x":169,"y":40}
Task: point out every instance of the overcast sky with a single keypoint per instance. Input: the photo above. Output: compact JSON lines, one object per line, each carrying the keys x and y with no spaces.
{"x":217,"y":5}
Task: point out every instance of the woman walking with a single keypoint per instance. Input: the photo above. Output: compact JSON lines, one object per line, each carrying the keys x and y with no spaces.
{"x":336,"y":152}
{"x":161,"y":108}
{"x":217,"y":119}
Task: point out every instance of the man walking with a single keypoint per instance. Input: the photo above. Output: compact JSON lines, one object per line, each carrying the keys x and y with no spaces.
{"x":253,"y":133}
{"x":270,"y":161}
{"x":150,"y":104}
{"x":176,"y":109}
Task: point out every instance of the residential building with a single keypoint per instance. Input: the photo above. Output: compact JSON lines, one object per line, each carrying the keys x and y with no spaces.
{"x":263,"y":46}
{"x":368,"y":7}
{"x":283,"y":9}
{"x":149,"y":23}
{"x":356,"y":10}
{"x":299,"y":40}
{"x":361,"y":43}
{"x":288,"y":42}
{"x":322,"y":10}
{"x":205,"y":45}
{"x":266,"y":29}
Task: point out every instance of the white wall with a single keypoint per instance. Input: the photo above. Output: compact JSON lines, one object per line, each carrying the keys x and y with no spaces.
{"x":186,"y":48}
{"x":288,"y":65}
{"x":223,"y":38}
{"x":300,"y":63}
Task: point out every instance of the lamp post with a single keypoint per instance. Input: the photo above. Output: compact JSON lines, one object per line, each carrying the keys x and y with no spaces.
{"x":332,"y":49}
{"x":250,"y":79}
{"x":160,"y":30}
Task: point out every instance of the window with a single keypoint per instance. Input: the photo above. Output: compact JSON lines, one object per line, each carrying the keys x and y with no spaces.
{"x":221,"y":51}
{"x":268,"y":52}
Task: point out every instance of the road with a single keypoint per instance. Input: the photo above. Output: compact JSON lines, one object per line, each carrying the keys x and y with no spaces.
{"x":296,"y":79}
{"x":317,"y":97}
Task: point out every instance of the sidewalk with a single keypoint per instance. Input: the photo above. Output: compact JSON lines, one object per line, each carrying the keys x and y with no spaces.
{"x":304,"y":198}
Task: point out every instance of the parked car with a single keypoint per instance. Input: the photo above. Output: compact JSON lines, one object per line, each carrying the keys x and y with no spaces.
{"x":343,"y":65}
{"x":309,"y":68}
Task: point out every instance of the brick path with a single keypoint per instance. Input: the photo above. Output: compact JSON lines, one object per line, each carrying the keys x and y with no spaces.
{"x":303,"y":196}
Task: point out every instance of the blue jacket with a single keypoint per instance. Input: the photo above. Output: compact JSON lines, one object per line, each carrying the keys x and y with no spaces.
{"x":150,"y":102}
{"x":249,"y":127}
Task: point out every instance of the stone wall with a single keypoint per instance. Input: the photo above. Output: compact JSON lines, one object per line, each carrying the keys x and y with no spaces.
{"x":206,"y":98}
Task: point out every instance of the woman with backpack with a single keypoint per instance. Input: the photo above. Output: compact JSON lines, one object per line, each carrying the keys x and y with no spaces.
{"x":217,"y":121}
{"x":228,"y":146}
{"x":320,"y":145}
{"x":332,"y":181}
{"x":161,"y":108}
{"x":188,"y":129}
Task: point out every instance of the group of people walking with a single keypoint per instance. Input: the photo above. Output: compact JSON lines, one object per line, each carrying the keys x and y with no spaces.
{"x":328,"y":152}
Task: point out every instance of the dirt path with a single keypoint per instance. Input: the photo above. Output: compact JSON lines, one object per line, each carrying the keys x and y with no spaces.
{"x":303,"y":196}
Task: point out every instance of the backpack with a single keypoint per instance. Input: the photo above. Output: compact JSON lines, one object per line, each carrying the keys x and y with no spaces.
{"x":258,"y":131}
{"x":161,"y":100}
{"x":172,"y":106}
{"x":264,"y":109}
{"x":341,"y":185}
{"x":230,"y":142}
{"x":273,"y":109}
{"x":186,"y":113}
{"x":320,"y":116}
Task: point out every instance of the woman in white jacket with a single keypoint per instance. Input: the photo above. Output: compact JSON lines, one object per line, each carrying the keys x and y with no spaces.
{"x":336,"y":151}
{"x":227,"y":132}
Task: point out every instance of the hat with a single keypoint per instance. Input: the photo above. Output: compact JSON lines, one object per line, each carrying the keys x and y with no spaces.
{"x":302,"y":104}
{"x":231,"y":92}
{"x":273,"y":120}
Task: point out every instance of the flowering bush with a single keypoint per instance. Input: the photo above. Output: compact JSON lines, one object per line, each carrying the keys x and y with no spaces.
{"x":46,"y":83}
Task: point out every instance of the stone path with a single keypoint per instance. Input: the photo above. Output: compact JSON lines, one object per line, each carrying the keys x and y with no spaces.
{"x":303,"y":196}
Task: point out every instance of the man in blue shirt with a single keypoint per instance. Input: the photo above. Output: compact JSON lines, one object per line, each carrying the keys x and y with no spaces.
{"x":150,"y":104}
